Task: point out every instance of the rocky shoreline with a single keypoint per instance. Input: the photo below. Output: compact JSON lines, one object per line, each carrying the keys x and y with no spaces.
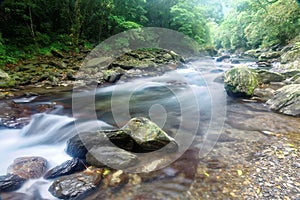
{"x":63,"y":71}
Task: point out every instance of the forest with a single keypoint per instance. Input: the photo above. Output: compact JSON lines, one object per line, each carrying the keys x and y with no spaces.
{"x":33,"y":27}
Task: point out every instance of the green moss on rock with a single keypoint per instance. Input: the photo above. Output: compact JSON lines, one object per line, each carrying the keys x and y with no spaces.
{"x":240,"y":81}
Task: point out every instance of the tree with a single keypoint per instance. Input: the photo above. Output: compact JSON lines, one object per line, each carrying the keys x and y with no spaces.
{"x":189,"y":19}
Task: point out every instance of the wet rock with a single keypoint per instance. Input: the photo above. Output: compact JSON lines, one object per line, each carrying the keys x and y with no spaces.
{"x":10,"y":182}
{"x":66,"y":168}
{"x":76,"y":185}
{"x":17,"y":196}
{"x":28,"y":167}
{"x":148,"y":135}
{"x":138,"y":135}
{"x":222,"y":58}
{"x":287,"y":100}
{"x":78,"y":146}
{"x":110,"y":156}
{"x":264,"y":94}
{"x":264,"y":64}
{"x":240,"y":81}
{"x":112,"y":76}
{"x":267,"y":76}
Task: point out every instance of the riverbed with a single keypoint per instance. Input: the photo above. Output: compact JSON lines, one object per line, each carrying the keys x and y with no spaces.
{"x":231,"y":148}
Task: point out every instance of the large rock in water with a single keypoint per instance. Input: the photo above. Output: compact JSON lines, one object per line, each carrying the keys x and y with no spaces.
{"x":28,"y":167}
{"x":240,"y":81}
{"x":148,"y":135}
{"x":287,"y":100}
{"x":138,"y":135}
{"x":76,"y":185}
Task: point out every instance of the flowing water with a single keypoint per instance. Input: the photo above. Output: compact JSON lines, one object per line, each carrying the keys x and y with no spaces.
{"x":190,"y":104}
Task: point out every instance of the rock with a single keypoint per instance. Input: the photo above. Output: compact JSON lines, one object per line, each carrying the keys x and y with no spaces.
{"x":287,"y":100}
{"x":291,"y":55}
{"x":264,"y":94}
{"x":113,"y":157}
{"x":60,"y":65}
{"x":291,"y":73}
{"x":138,"y":135}
{"x":10,"y":182}
{"x":264,"y":64}
{"x":57,"y":53}
{"x":234,"y":61}
{"x":3,"y":75}
{"x":78,"y":146}
{"x":100,"y":61}
{"x":222,"y":58}
{"x":240,"y":81}
{"x":28,"y":167}
{"x":148,"y":135}
{"x":4,"y":78}
{"x":111,"y":76}
{"x":267,"y":76}
{"x":297,"y":81}
{"x":276,"y":85}
{"x":76,"y":185}
{"x":253,"y":53}
{"x":269,"y":55}
{"x":66,"y":168}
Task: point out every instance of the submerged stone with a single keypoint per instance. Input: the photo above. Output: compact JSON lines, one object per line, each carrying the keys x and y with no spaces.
{"x":240,"y":81}
{"x":76,"y":185}
{"x":287,"y":100}
{"x":28,"y":167}
{"x":10,"y":182}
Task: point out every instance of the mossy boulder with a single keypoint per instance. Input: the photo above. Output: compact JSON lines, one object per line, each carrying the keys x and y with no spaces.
{"x":138,"y":135}
{"x":240,"y":81}
{"x":148,"y":135}
{"x":287,"y":100}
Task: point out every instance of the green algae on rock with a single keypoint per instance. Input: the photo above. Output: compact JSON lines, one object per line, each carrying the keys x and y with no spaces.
{"x":148,"y":135}
{"x":240,"y":81}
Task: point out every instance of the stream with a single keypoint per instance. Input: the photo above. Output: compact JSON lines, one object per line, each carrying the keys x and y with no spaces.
{"x":189,"y":104}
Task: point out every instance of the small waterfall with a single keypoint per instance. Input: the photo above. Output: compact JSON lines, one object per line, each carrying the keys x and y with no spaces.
{"x":46,"y":129}
{"x":44,"y":136}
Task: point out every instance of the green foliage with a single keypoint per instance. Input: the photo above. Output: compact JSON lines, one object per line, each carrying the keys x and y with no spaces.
{"x":258,"y":23}
{"x":190,"y":23}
